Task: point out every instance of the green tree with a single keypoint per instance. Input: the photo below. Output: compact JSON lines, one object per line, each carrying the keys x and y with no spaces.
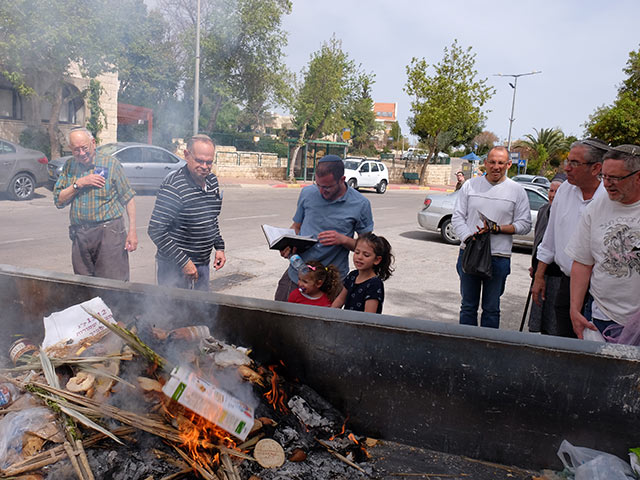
{"x":40,"y":40}
{"x":548,"y":144}
{"x":359,"y":115}
{"x":483,"y":142}
{"x":320,"y":100}
{"x":619,"y":123}
{"x":447,"y":107}
{"x":241,"y":50}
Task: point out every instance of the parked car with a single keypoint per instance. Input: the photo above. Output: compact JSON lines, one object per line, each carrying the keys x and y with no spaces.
{"x":361,"y":173}
{"x":534,"y":179}
{"x":437,"y":211}
{"x":22,"y":170}
{"x":144,"y":165}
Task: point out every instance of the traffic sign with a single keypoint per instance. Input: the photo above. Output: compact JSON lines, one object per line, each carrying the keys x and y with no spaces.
{"x":522,"y":162}
{"x":514,"y":156}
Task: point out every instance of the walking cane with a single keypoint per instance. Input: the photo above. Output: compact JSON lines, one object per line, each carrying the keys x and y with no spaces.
{"x":526,"y":306}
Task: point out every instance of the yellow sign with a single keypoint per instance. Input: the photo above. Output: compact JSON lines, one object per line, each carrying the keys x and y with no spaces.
{"x":346,"y":134}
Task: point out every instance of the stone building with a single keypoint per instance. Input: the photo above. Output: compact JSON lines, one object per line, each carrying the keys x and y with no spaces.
{"x":18,"y":111}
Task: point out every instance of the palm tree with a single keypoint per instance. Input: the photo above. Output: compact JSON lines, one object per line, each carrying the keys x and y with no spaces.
{"x":548,"y":143}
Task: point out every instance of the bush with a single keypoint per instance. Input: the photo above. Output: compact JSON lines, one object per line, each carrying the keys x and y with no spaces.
{"x":37,"y":139}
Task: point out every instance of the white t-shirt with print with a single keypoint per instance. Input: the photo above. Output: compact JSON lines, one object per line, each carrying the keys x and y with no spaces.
{"x":608,"y":237}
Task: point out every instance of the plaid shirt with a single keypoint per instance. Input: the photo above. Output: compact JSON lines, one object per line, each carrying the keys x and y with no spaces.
{"x":92,"y":204}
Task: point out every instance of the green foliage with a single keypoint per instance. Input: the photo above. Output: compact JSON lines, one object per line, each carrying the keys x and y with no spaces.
{"x":447,"y":106}
{"x":37,"y":139}
{"x":482,"y":143}
{"x":359,"y":114}
{"x":619,"y":123}
{"x":97,"y":119}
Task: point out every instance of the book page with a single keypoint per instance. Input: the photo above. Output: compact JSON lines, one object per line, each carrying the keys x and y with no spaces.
{"x":274,"y":233}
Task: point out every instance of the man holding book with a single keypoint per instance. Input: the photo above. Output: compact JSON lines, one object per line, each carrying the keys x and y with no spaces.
{"x":331,"y":212}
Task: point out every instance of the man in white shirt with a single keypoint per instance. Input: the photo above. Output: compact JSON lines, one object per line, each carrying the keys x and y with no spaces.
{"x":582,"y":166}
{"x":505,"y":202}
{"x":606,"y":246}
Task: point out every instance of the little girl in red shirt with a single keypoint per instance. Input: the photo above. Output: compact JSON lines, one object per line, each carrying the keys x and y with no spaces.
{"x":317,"y":285}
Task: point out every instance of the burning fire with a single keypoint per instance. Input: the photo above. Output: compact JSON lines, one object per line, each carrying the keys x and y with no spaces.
{"x":198,"y":435}
{"x":276,"y":396}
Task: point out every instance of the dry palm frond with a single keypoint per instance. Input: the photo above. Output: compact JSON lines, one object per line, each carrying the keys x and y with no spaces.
{"x":133,"y":341}
{"x":35,"y":364}
{"x":99,"y":372}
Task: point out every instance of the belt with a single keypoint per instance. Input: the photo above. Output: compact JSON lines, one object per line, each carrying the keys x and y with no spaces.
{"x":89,"y":225}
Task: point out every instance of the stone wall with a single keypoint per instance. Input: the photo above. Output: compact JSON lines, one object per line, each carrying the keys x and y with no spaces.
{"x":234,"y":164}
{"x":435,"y":174}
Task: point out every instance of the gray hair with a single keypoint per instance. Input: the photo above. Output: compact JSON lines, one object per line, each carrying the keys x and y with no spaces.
{"x":630,"y":154}
{"x":594,"y":148}
{"x":79,"y":129}
{"x":200,"y":137}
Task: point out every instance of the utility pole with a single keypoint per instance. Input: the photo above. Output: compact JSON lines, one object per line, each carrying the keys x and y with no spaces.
{"x":196,"y":83}
{"x":514,"y":85}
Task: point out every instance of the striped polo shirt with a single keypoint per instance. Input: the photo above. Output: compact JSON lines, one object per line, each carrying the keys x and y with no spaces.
{"x":184,"y":222}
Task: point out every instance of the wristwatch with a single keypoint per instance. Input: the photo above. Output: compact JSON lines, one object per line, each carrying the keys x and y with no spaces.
{"x":75,"y":186}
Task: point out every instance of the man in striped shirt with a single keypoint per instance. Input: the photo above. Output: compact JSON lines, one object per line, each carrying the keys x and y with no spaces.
{"x":98,"y":191}
{"x":184,"y":222}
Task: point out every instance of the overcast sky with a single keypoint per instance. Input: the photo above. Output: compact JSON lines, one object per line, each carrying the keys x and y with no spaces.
{"x":580,"y":46}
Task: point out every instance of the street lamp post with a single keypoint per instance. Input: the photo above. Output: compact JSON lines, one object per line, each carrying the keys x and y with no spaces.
{"x":514,"y":85}
{"x":196,"y":83}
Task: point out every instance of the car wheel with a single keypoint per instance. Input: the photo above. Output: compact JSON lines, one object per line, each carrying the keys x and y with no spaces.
{"x":353,"y":183}
{"x":382,"y":186}
{"x":447,"y":233}
{"x":22,"y":187}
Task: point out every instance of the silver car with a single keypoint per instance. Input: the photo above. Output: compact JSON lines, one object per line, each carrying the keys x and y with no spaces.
{"x":144,"y":165}
{"x":21,"y":170}
{"x":437,"y":211}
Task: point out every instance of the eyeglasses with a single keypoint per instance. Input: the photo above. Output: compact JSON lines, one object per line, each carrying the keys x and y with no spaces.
{"x":575,"y":163}
{"x":79,"y":150}
{"x":614,"y":180}
{"x":326,"y":187}
{"x":203,"y":162}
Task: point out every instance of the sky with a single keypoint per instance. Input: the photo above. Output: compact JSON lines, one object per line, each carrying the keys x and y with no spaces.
{"x":581,"y":48}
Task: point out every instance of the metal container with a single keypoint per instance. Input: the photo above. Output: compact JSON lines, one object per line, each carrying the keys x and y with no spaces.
{"x":495,"y":395}
{"x":21,"y":347}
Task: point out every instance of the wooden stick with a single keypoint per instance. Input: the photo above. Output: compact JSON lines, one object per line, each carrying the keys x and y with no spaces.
{"x":194,"y":465}
{"x":429,"y":475}
{"x":74,"y":461}
{"x":179,"y":474}
{"x":84,"y":461}
{"x":341,"y":457}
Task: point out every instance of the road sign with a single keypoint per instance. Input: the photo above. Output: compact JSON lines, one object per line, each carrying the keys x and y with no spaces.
{"x":514,"y":156}
{"x":346,"y":134}
{"x":522,"y":162}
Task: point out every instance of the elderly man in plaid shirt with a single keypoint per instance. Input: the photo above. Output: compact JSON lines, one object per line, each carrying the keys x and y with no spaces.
{"x":99,"y":193}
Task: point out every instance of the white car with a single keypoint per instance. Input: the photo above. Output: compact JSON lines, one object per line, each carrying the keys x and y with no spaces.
{"x":363,"y":173}
{"x":437,"y":211}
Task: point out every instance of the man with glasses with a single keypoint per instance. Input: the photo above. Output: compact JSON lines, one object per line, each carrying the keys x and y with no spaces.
{"x":98,"y":192}
{"x":184,"y":221}
{"x":582,"y":167}
{"x":332,"y":212}
{"x":606,"y":247}
{"x":500,"y":199}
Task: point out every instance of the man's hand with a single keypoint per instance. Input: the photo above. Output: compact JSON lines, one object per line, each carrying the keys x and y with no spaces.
{"x":132,"y":241}
{"x":537,"y":290}
{"x":331,"y":237}
{"x":579,"y":323}
{"x":219,"y":260}
{"x":91,"y":180}
{"x":190,"y":271}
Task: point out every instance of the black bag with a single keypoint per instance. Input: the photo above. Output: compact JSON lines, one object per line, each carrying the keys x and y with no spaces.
{"x":476,"y":258}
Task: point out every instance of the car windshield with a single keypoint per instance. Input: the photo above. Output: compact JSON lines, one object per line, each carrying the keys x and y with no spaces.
{"x":351,"y":164}
{"x":108,"y":149}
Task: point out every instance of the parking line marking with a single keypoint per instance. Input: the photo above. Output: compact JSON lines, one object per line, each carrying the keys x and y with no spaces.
{"x":253,"y":216}
{"x":16,"y":241}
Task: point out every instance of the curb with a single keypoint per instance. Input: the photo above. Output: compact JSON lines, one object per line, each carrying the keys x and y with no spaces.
{"x":301,"y":185}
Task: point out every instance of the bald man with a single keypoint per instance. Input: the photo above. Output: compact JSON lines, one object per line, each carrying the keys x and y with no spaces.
{"x":96,"y":189}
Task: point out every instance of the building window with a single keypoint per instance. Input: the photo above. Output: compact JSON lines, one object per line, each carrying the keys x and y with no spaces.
{"x":71,"y":110}
{"x":10,"y":104}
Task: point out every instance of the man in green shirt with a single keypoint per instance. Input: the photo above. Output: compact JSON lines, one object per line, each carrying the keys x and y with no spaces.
{"x":98,"y":192}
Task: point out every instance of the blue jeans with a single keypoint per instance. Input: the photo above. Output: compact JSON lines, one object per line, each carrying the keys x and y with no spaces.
{"x":492,"y":288}
{"x":170,"y":275}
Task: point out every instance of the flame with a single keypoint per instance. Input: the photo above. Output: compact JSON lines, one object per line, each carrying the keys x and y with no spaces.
{"x":344,"y":426}
{"x":276,"y":397}
{"x":199,"y":436}
{"x":352,"y":437}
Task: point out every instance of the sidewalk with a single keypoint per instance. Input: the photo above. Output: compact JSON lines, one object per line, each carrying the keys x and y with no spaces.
{"x":270,"y":183}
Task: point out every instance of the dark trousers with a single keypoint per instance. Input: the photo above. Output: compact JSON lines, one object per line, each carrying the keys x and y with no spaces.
{"x":170,"y":275}
{"x":563,"y":306}
{"x":285,"y":287}
{"x":98,"y":249}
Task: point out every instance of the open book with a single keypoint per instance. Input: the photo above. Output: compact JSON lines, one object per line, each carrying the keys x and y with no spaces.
{"x":280,"y":238}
